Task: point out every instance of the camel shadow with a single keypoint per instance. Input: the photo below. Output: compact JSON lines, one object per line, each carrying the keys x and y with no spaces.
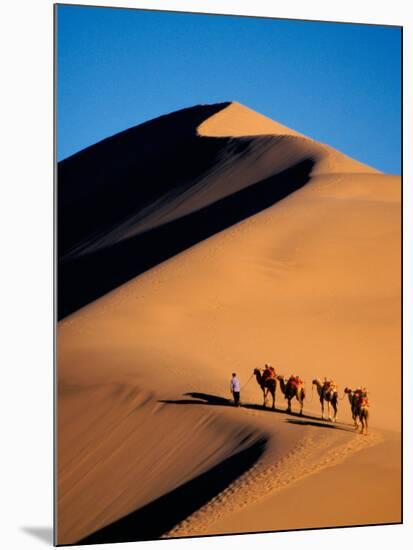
{"x":277,"y":410}
{"x":199,"y":398}
{"x":307,"y":419}
{"x":319,"y":424}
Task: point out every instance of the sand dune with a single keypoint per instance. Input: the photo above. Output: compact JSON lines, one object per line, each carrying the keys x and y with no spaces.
{"x":117,"y":204}
{"x":293,"y":257}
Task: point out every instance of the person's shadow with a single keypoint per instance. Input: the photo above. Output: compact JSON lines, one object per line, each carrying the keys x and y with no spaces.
{"x":201,"y":399}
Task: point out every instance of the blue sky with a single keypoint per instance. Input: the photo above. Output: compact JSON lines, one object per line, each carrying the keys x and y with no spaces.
{"x":337,"y":83}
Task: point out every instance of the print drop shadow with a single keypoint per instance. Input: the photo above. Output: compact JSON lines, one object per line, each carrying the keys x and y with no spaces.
{"x":45,"y":534}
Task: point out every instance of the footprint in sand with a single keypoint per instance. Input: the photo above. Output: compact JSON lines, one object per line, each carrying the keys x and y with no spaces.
{"x":265,"y":478}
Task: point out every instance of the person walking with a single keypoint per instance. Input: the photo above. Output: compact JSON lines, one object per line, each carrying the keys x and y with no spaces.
{"x":235,"y":388}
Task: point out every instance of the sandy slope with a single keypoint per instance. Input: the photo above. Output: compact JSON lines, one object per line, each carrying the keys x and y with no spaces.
{"x":311,"y":284}
{"x":338,"y":488}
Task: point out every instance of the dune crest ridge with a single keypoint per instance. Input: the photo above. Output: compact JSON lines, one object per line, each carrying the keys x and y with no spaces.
{"x":237,"y":120}
{"x":216,"y":160}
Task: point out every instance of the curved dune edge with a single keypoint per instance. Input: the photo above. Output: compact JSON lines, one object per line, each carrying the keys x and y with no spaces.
{"x":254,"y":140}
{"x":120,"y":447}
{"x":236,"y":120}
{"x":309,"y":457}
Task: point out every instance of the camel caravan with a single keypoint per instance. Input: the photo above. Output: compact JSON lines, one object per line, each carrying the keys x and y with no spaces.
{"x":293,"y":387}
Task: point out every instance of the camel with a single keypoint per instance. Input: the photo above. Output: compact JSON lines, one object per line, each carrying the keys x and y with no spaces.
{"x":353,"y":405}
{"x":291,"y":390}
{"x":359,"y":409}
{"x":267,"y":385}
{"x":330,"y":396}
{"x":363,"y":414}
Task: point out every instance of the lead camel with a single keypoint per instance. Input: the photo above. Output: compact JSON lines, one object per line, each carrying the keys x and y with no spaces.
{"x":268,"y":385}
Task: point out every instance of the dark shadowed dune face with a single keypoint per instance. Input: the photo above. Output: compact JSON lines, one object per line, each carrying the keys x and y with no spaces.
{"x":157,"y":518}
{"x":98,"y":185}
{"x":148,"y":193}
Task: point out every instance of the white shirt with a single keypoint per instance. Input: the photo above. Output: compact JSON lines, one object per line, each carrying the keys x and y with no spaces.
{"x":235,"y":385}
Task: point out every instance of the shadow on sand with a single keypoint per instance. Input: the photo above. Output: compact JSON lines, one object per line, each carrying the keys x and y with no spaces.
{"x":320,"y":424}
{"x":88,"y":277}
{"x":201,"y":399}
{"x":119,"y":178}
{"x":216,"y":400}
{"x":160,"y":516}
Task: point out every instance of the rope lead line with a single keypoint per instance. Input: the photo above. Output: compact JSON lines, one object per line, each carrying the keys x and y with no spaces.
{"x":242,"y":387}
